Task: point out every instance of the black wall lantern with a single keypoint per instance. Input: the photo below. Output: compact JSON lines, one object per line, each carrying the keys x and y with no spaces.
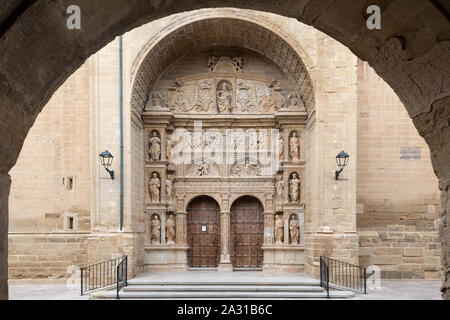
{"x":106,"y":159}
{"x":341,"y":161}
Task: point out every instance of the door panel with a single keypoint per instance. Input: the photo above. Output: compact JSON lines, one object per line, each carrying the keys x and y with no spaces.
{"x":247,"y":232}
{"x":204,"y":246}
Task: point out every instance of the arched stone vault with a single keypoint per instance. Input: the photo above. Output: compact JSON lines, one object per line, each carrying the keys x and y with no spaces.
{"x":227,"y":32}
{"x":411,"y":53}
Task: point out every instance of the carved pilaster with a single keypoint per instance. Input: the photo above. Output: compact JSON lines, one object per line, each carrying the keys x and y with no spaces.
{"x":268,"y":227}
{"x":225,"y":261}
{"x":286,"y":230}
{"x":181,"y":228}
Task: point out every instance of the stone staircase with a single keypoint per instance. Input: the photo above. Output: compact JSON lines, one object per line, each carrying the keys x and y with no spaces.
{"x":220,"y":286}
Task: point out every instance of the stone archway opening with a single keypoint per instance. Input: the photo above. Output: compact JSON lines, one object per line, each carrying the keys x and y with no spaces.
{"x":411,"y":55}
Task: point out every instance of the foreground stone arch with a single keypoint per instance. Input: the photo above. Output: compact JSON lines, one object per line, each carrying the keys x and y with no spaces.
{"x":412,"y":54}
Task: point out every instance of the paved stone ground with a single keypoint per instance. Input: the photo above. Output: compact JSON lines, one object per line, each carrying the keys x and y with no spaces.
{"x":404,"y":290}
{"x":390,"y":289}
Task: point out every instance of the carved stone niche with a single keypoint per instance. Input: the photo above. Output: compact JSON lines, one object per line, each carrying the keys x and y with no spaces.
{"x":155,"y":229}
{"x":294,"y":229}
{"x":154,"y":188}
{"x":154,"y":145}
{"x":294,"y":146}
{"x":294,"y":183}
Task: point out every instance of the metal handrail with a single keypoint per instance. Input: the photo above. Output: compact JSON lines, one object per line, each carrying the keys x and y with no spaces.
{"x":342,"y":275}
{"x":122,"y":277}
{"x":100,"y":275}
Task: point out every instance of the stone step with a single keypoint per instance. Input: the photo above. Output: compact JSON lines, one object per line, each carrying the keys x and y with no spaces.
{"x":220,"y":295}
{"x":222,"y":288}
{"x":237,"y":282}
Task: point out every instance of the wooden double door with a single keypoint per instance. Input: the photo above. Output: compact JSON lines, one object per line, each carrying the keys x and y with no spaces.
{"x":247,"y":233}
{"x":203,"y":223}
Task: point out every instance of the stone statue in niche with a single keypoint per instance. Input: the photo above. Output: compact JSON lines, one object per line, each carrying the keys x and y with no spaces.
{"x":294,"y":147}
{"x":279,"y":188}
{"x":224,"y":96}
{"x":278,"y":229}
{"x":294,"y":229}
{"x":154,"y":146}
{"x":170,"y":230}
{"x":294,"y":188}
{"x":169,"y":147}
{"x":156,"y":229}
{"x":280,"y":148}
{"x":169,"y":189}
{"x":154,"y":187}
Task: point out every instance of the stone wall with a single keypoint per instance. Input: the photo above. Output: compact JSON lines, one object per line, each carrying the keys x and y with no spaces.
{"x":46,"y":258}
{"x":398,"y":200}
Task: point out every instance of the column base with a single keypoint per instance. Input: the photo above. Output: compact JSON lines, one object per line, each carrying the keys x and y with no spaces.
{"x":225,"y":267}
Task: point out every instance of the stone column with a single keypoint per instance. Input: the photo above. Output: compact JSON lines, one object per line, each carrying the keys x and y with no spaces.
{"x":163,"y":228}
{"x":286,"y":230}
{"x":445,"y":240}
{"x":225,"y":261}
{"x":5,"y":183}
{"x":181,"y":228}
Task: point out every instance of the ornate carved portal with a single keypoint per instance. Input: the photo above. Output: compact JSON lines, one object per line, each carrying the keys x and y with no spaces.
{"x":249,"y":147}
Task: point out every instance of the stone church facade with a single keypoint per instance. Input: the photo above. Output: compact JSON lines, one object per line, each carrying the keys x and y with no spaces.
{"x":232,"y":120}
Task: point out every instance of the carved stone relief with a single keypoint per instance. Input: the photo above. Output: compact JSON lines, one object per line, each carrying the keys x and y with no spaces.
{"x":246,"y":169}
{"x":156,"y":100}
{"x":202,"y":170}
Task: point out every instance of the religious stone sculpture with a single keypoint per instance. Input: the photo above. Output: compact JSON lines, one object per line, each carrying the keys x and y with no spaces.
{"x":294,"y":186}
{"x":156,"y":229}
{"x":154,"y":188}
{"x":279,"y":187}
{"x":170,"y":230}
{"x":224,"y":96}
{"x":169,"y":190}
{"x":154,"y":147}
{"x":156,"y":100}
{"x":169,"y":147}
{"x":278,"y":229}
{"x":294,"y":230}
{"x":280,"y":148}
{"x":294,"y":144}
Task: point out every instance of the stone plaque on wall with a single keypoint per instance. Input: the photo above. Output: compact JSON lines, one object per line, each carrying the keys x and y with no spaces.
{"x":410,"y":153}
